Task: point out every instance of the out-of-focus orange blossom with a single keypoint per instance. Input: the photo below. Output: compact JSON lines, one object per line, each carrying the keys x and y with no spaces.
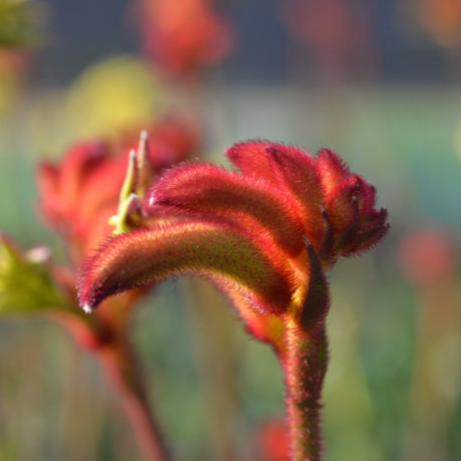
{"x":441,"y":19}
{"x":183,"y":37}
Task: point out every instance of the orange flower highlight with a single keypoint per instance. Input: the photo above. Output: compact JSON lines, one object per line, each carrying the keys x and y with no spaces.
{"x":441,"y":19}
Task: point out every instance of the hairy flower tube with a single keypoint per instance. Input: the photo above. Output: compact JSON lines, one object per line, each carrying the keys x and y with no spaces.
{"x":265,"y":235}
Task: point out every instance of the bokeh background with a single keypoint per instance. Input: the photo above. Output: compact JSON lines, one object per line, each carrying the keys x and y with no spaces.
{"x":379,"y":82}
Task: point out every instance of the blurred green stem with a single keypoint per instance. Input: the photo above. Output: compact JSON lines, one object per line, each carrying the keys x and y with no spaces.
{"x":215,"y":352}
{"x":120,"y":364}
{"x":305,"y":362}
{"x":434,"y":389}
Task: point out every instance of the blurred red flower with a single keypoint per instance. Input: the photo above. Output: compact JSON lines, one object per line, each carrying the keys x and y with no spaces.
{"x":273,"y":442}
{"x":79,"y":195}
{"x":338,"y":34}
{"x":427,"y":256}
{"x":182,"y":37}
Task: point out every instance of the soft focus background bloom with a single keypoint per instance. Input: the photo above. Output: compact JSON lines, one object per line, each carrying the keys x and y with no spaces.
{"x":183,"y":37}
{"x":391,"y":107}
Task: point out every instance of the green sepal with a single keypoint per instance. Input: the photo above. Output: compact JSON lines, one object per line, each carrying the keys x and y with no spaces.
{"x":139,"y":174}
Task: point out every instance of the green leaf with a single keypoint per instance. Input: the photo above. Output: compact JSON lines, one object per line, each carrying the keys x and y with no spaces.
{"x":26,"y":281}
{"x":19,"y":23}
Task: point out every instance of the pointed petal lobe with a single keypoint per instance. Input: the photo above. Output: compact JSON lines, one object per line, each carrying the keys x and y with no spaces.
{"x":332,"y":170}
{"x":253,"y":159}
{"x":297,"y":172}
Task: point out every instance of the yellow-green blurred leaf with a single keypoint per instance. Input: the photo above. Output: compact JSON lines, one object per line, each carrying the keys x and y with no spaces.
{"x":19,"y":20}
{"x":26,"y":282}
{"x":112,"y":95}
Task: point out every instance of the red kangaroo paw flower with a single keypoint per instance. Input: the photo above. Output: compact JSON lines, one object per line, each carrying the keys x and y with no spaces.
{"x":61,"y":186}
{"x":332,"y":170}
{"x":356,"y":224}
{"x":342,"y":206}
{"x":149,"y":256}
{"x":293,"y":172}
{"x":81,"y":160}
{"x":253,"y":158}
{"x":373,"y":228}
{"x":282,"y":197}
{"x":316,"y":303}
{"x":206,"y":189}
{"x":297,"y":171}
{"x":75,"y":194}
{"x":265,"y":236}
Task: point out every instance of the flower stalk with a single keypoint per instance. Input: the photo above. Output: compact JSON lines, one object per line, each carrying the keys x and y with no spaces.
{"x":305,"y":365}
{"x":120,"y":364}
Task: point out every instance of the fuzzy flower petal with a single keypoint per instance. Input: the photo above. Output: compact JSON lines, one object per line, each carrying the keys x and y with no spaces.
{"x":294,"y":173}
{"x":207,"y":189}
{"x":194,"y":247}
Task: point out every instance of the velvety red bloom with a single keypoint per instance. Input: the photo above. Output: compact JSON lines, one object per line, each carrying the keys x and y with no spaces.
{"x":349,"y":202}
{"x":82,"y":189}
{"x":248,"y":231}
{"x":265,"y":236}
{"x":182,"y":37}
{"x":79,"y":195}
